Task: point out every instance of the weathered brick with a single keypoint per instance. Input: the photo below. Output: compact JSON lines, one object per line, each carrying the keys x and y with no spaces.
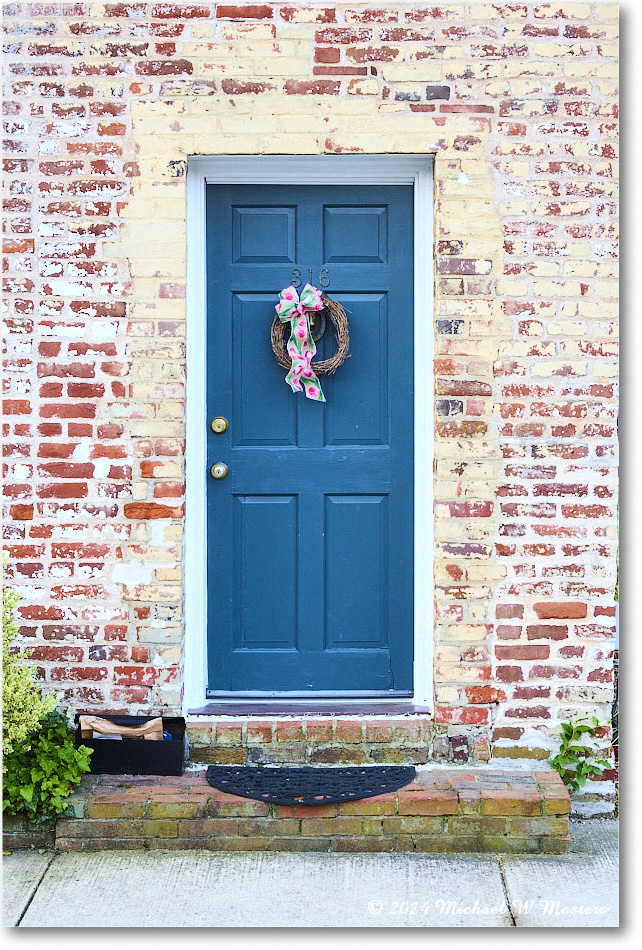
{"x":518,"y":105}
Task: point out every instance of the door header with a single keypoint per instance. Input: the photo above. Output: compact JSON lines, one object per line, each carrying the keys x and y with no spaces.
{"x":311,"y":169}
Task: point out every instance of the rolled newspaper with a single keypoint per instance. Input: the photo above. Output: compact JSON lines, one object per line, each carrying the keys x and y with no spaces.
{"x":153,"y":729}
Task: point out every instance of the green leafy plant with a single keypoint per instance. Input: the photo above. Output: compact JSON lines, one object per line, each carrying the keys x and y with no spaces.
{"x":23,"y":705}
{"x":43,"y":770}
{"x":577,"y":758}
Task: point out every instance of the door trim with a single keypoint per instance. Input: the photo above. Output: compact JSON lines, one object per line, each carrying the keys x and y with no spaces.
{"x":416,"y":170}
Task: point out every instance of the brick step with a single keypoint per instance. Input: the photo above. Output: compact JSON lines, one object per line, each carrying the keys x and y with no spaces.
{"x":442,"y":810}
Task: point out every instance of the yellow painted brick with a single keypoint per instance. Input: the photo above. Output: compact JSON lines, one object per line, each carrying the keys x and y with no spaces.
{"x":306,"y":15}
{"x":464,"y":449}
{"x":169,"y":469}
{"x":580,"y":268}
{"x":156,"y":428}
{"x":448,"y":653}
{"x":567,"y":328}
{"x":149,"y":593}
{"x":573,"y":11}
{"x":512,"y":288}
{"x":606,"y":289}
{"x":544,"y":269}
{"x":139,"y":491}
{"x":514,"y":69}
{"x":608,"y":89}
{"x":167,"y":409}
{"x":173,"y":532}
{"x":608,"y":269}
{"x":591,"y":69}
{"x":283,"y":68}
{"x":486,"y":572}
{"x":469,"y":306}
{"x":201,"y":29}
{"x":150,"y":552}
{"x":138,"y":249}
{"x":363,"y":87}
{"x":251,"y":32}
{"x":479,"y":490}
{"x":607,"y":370}
{"x":519,"y":87}
{"x":488,"y":11}
{"x":567,"y":208}
{"x":515,"y":208}
{"x":485,"y":470}
{"x":447,"y":694}
{"x":458,"y":188}
{"x":558,"y":50}
{"x":607,"y":11}
{"x":557,"y":288}
{"x":465,"y":632}
{"x":445,"y":490}
{"x":168,"y":573}
{"x":517,"y":169}
{"x":427,"y":70}
{"x":251,"y":123}
{"x":547,"y":368}
{"x":152,"y":306}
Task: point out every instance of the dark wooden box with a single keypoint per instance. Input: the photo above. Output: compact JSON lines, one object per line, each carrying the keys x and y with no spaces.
{"x":137,"y":756}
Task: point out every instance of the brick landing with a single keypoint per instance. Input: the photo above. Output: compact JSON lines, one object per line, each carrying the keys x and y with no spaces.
{"x":477,"y":810}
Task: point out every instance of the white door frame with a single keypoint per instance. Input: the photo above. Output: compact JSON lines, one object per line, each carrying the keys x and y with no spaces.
{"x":416,"y":170}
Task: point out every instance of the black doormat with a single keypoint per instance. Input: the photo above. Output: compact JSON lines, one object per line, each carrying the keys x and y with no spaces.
{"x":309,"y":786}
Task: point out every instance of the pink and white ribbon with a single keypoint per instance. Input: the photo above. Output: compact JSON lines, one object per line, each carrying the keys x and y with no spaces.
{"x":301,"y":347}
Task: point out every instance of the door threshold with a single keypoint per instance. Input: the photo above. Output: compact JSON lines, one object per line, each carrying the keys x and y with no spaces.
{"x":311,"y":707}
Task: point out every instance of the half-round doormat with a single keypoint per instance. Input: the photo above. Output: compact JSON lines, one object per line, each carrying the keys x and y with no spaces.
{"x":309,"y":786}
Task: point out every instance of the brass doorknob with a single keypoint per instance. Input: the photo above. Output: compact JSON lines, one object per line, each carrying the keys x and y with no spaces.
{"x":219,"y":425}
{"x":219,"y":470}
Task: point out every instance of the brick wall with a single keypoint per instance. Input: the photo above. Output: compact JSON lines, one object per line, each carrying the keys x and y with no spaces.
{"x":103,"y":104}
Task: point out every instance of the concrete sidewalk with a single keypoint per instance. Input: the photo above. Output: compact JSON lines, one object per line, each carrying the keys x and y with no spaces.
{"x":210,"y":889}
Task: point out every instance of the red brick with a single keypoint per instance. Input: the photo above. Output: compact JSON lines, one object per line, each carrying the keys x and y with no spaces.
{"x":289,"y":730}
{"x":319,"y":730}
{"x":249,"y":12}
{"x":319,"y":87}
{"x":561,"y":611}
{"x":150,"y":510}
{"x":348,"y":730}
{"x":509,"y":611}
{"x":546,"y":632}
{"x":21,"y":512}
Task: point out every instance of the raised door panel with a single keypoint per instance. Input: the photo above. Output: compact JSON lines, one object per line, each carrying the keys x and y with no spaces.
{"x":356,"y":545}
{"x":263,"y":235}
{"x":356,"y":411}
{"x":265,"y":595}
{"x":264,"y":411}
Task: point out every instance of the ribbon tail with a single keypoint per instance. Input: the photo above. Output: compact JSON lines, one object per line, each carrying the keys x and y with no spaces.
{"x":313,"y":389}
{"x":294,"y":382}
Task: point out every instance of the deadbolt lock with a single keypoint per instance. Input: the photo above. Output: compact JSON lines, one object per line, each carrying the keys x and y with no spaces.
{"x":219,"y":470}
{"x":219,"y":425}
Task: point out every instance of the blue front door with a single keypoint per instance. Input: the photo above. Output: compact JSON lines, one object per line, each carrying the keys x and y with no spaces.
{"x":310,"y":536}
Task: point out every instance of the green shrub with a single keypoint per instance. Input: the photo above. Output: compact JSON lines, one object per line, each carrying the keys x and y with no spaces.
{"x":43,"y":769}
{"x":577,"y":759}
{"x":23,"y":705}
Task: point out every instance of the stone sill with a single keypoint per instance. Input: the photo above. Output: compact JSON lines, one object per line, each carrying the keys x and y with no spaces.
{"x":300,"y":710}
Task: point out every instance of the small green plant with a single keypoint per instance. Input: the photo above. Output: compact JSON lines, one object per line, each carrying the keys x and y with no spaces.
{"x":578,"y":759}
{"x":23,"y":705}
{"x":43,"y":769}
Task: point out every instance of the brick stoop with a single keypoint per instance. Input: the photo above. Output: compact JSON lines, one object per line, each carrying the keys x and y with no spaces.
{"x":442,"y":810}
{"x":18,"y":834}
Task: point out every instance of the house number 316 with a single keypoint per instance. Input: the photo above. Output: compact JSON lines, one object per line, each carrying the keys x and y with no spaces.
{"x":324,"y":277}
